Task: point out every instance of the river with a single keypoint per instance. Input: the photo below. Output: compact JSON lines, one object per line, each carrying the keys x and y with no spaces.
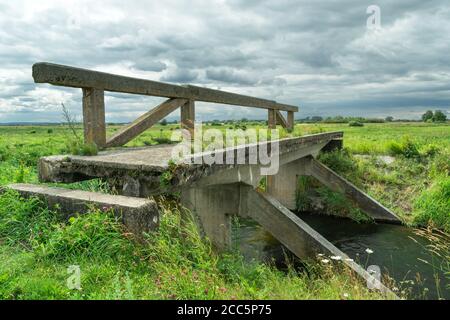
{"x":401,"y":252}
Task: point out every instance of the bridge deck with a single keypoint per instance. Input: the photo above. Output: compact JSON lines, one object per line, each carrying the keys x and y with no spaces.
{"x":146,"y":164}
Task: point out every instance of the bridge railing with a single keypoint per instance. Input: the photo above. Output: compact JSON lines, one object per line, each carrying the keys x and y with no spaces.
{"x":95,"y":83}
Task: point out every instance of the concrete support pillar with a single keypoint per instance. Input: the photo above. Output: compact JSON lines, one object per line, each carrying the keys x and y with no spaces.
{"x":283,"y":185}
{"x":272,"y":118}
{"x":290,"y":120}
{"x":94,"y":116}
{"x":213,"y":207}
{"x":188,"y":117}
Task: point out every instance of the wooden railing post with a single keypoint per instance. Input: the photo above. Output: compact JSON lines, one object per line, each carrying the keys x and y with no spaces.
{"x":94,"y":116}
{"x":188,"y":117}
{"x":290,"y":120}
{"x":272,"y":121}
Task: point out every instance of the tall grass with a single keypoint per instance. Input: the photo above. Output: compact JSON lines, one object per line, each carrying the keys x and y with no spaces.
{"x":173,"y":263}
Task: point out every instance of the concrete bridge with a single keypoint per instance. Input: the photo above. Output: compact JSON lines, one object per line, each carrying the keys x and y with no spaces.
{"x":214,"y":192}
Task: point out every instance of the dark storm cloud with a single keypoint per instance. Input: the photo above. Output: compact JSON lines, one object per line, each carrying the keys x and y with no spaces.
{"x":318,"y":55}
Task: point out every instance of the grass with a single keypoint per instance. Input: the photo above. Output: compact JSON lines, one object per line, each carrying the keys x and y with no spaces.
{"x":36,"y":248}
{"x":173,"y":263}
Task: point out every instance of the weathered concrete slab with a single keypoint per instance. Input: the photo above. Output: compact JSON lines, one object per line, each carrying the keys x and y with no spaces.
{"x":141,"y":168}
{"x":138,"y":215}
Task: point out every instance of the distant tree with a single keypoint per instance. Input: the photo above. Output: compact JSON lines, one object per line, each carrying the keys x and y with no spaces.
{"x":439,"y":116}
{"x":427,"y":116}
{"x":389,"y":119}
{"x":316,"y":118}
{"x":163,"y":122}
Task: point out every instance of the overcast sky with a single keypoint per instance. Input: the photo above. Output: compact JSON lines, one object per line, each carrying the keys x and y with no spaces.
{"x":318,"y":55}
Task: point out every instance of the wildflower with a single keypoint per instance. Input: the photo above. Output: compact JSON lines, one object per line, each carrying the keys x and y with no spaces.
{"x":369,"y":251}
{"x":320,"y":254}
{"x":336,"y":257}
{"x":325,"y":260}
{"x":349,"y":259}
{"x":345,"y":295}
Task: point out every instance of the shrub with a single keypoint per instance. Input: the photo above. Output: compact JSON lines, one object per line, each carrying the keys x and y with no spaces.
{"x":340,"y":161}
{"x":430,"y":150}
{"x":163,"y":140}
{"x":337,"y":204}
{"x":433,"y":205}
{"x":355,"y":124}
{"x":87,"y":149}
{"x":406,"y":148}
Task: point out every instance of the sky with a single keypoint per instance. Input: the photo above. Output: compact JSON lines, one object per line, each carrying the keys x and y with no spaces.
{"x":323,"y":56}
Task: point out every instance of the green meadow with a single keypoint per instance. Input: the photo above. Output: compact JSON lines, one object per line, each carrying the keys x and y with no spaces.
{"x":405,"y":166}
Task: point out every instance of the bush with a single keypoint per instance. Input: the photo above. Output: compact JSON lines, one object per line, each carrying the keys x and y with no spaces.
{"x":87,"y":149}
{"x":340,"y":161}
{"x":337,"y":204}
{"x":433,"y":205}
{"x":406,"y":148}
{"x":430,"y":150}
{"x":355,"y":124}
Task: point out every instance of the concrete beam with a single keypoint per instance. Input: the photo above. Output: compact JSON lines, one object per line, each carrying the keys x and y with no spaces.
{"x":296,"y":235}
{"x":138,"y":215}
{"x":218,"y":96}
{"x":144,"y":122}
{"x":61,"y":75}
{"x":365,"y":202}
{"x":280,"y":119}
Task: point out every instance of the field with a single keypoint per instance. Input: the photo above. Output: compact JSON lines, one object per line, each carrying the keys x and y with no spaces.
{"x":403,"y":165}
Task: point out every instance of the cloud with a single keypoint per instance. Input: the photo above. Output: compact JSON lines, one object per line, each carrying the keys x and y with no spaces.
{"x":180,"y":75}
{"x":318,"y":55}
